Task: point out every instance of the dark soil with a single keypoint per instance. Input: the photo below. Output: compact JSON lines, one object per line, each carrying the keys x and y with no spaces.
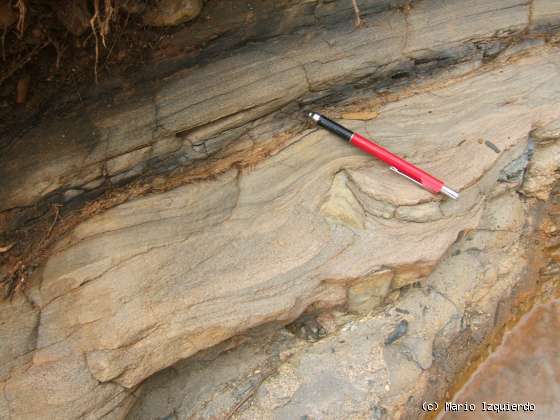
{"x":49,"y":66}
{"x":45,"y":67}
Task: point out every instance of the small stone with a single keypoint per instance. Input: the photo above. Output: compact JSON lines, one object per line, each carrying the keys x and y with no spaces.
{"x":286,"y":354}
{"x":327,"y":321}
{"x":402,"y":311}
{"x":341,"y":206}
{"x":515,"y":170}
{"x":399,"y":331}
{"x":377,"y":412}
{"x":492,"y":146}
{"x":22,"y":89}
{"x":199,"y":148}
{"x":311,"y":330}
{"x":172,"y":12}
{"x":133,"y":6}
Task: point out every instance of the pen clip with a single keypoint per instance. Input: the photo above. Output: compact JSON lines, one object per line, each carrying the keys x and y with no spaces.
{"x":405,"y":175}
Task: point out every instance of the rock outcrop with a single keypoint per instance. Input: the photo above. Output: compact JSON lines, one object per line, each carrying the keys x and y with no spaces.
{"x":529,"y":350}
{"x":291,"y":221}
{"x":188,"y":116}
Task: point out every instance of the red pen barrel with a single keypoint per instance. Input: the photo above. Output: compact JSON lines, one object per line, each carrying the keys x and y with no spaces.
{"x":428,"y":181}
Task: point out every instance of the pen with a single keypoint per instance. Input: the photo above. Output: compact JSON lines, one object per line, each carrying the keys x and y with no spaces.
{"x":396,"y":164}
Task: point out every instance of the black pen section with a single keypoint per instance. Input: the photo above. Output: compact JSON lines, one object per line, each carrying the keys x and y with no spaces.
{"x":331,"y":126}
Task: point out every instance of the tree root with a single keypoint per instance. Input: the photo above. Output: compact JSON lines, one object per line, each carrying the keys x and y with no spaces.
{"x":101,"y":27}
{"x":358,"y":20}
{"x":22,"y":9}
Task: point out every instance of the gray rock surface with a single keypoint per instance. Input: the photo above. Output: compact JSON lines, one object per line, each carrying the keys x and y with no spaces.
{"x":381,"y":364}
{"x":233,"y":91}
{"x":158,"y":279}
{"x":315,"y":225}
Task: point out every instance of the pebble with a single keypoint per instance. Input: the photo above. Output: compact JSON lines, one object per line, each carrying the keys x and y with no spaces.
{"x":492,"y":146}
{"x":400,"y":330}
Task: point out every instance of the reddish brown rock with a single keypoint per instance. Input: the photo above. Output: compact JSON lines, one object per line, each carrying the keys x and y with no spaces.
{"x":525,"y":369}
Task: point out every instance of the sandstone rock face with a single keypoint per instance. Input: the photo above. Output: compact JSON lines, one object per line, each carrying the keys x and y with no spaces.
{"x":229,"y":93}
{"x":314,"y":225}
{"x":185,"y":270}
{"x":357,"y":371}
{"x":22,"y":341}
{"x":545,"y":13}
{"x":546,"y":162}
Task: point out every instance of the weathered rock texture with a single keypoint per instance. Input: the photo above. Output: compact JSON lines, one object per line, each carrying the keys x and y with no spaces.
{"x":163,"y":277}
{"x":116,"y":140}
{"x":386,"y":364}
{"x":530,"y":350}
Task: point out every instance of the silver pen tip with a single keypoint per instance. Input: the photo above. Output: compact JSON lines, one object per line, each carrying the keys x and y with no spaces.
{"x":449,"y":192}
{"x":314,"y":116}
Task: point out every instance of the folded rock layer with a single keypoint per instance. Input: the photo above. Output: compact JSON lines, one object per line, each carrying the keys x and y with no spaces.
{"x":119,"y":139}
{"x":163,"y":277}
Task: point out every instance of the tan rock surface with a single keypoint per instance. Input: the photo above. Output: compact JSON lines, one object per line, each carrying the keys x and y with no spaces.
{"x":545,"y":12}
{"x":356,"y":371}
{"x":232,"y":91}
{"x":164,"y":277}
{"x":546,"y":162}
{"x":157,"y":279}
